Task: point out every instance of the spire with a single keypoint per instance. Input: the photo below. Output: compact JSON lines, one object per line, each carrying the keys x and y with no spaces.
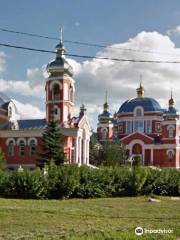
{"x":60,"y":47}
{"x":140,"y":89}
{"x":61,"y":35}
{"x":106,"y":105}
{"x":171,"y":101}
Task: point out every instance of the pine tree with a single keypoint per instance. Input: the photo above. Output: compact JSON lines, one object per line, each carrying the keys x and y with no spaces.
{"x":52,"y":145}
{"x":2,"y":160}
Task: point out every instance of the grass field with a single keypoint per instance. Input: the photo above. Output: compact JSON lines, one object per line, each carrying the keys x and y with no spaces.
{"x":108,"y":218}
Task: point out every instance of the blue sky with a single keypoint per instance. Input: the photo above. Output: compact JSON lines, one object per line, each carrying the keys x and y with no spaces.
{"x":103,"y":22}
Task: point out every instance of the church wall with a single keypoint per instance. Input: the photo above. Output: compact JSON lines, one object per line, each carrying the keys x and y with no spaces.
{"x":161,"y":158}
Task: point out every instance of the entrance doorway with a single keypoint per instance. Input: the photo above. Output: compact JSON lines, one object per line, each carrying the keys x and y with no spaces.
{"x":137,"y":153}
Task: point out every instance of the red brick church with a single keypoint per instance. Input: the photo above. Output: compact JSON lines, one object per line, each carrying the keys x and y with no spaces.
{"x":145,"y":129}
{"x":20,"y":140}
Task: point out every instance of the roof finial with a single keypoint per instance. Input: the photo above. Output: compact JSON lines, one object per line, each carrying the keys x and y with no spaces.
{"x":140,"y":80}
{"x":61,"y":34}
{"x":140,"y":89}
{"x":171,"y":100}
{"x":106,"y":105}
{"x":106,"y":96}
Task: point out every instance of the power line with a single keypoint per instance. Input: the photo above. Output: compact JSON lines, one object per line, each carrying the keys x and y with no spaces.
{"x":84,"y":43}
{"x":87,"y":56}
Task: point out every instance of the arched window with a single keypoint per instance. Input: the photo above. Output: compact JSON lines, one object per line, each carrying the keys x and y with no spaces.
{"x":138,"y":112}
{"x":56,"y":92}
{"x":11,"y":148}
{"x":21,"y":148}
{"x":170,"y":155}
{"x":104,"y":133}
{"x":32,"y":148}
{"x":170,"y":132}
{"x":56,"y":113}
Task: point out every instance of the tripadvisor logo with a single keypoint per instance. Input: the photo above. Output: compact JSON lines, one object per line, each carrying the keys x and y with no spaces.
{"x":139,"y":231}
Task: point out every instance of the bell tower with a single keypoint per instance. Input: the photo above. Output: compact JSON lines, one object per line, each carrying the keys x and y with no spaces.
{"x":59,"y":87}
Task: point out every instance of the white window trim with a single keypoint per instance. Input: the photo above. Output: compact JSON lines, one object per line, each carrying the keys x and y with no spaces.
{"x":21,"y":139}
{"x":142,"y":111}
{"x":30,"y":139}
{"x":10,"y":139}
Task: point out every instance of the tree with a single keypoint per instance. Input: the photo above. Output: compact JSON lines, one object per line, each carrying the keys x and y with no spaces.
{"x":2,"y":160}
{"x":52,"y":145}
{"x":113,"y":153}
{"x":94,"y":149}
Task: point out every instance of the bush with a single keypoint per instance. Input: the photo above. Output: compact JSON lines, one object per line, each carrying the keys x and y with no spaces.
{"x":167,"y":182}
{"x":26,"y":184}
{"x":62,"y":181}
{"x":94,"y":183}
{"x":122,"y":181}
{"x":139,"y":177}
{"x":69,"y":181}
{"x":4,"y":180}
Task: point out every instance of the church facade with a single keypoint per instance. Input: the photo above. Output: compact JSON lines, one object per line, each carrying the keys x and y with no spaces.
{"x":20,"y":140}
{"x":146,"y":130}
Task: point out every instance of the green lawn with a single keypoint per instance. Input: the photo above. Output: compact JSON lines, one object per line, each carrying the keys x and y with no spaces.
{"x":108,"y":218}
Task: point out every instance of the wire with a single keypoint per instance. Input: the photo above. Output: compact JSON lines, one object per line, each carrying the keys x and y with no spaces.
{"x":87,"y":56}
{"x":84,"y":43}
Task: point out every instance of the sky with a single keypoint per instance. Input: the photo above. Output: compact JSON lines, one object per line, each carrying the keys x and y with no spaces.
{"x":120,"y":24}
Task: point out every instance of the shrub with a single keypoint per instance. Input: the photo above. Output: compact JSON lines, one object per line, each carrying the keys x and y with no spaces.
{"x":139,"y":176}
{"x":167,"y":182}
{"x":94,"y":183}
{"x":122,"y":181}
{"x":26,"y":184}
{"x":62,"y":181}
{"x":4,"y":180}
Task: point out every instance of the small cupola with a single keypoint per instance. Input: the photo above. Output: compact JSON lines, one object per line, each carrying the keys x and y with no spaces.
{"x":59,"y":65}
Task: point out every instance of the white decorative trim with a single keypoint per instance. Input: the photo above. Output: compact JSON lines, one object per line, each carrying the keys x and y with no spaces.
{"x":21,"y":139}
{"x":60,"y":101}
{"x":142,"y":111}
{"x":10,"y":139}
{"x":145,"y":113}
{"x":21,"y":133}
{"x":171,"y":126}
{"x":170,"y":150}
{"x":64,"y":77}
{"x":135,"y":133}
{"x":171,"y":122}
{"x":55,"y":82}
{"x":30,"y":139}
{"x":132,"y":118}
{"x":110,"y":125}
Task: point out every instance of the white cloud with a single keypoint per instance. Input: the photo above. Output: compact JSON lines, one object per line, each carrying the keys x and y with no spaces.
{"x":173,"y":31}
{"x":94,"y":77}
{"x":28,"y":111}
{"x":121,"y":79}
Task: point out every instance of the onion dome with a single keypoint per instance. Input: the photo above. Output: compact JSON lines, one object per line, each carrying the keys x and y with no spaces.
{"x":171,"y":109}
{"x":106,"y":114}
{"x":59,"y":64}
{"x":148,"y":104}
